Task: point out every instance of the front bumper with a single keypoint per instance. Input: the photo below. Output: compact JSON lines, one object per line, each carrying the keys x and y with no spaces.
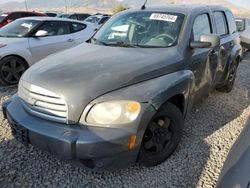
{"x":97,"y":149}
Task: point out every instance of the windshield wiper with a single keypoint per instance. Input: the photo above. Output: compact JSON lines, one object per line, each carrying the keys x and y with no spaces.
{"x":119,"y":43}
{"x":123,"y":44}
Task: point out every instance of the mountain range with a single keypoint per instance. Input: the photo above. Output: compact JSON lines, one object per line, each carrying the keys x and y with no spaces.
{"x":107,"y":4}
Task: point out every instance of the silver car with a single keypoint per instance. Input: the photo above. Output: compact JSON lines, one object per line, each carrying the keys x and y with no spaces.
{"x":28,"y":40}
{"x":97,"y":20}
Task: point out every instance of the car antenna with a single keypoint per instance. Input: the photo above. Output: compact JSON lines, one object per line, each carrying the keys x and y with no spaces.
{"x":144,"y":5}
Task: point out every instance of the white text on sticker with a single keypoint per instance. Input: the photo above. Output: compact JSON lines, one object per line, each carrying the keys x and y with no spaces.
{"x":163,"y":17}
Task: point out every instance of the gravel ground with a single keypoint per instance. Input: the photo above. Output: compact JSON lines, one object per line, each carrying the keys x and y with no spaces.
{"x":210,"y":131}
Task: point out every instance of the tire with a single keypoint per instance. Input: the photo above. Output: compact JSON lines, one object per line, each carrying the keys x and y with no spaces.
{"x":229,"y":84}
{"x":11,"y":69}
{"x":164,"y":129}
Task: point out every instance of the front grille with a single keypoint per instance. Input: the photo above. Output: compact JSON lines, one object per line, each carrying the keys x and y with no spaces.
{"x":42,"y":103}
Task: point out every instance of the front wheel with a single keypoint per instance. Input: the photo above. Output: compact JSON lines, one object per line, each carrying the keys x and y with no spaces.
{"x":11,"y":69}
{"x":161,"y":136}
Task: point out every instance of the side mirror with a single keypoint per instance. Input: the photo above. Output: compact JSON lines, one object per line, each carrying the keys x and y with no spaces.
{"x":206,"y":41}
{"x":41,"y":33}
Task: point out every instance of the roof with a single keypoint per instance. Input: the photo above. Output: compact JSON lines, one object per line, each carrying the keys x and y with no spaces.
{"x":184,"y":9}
{"x":11,"y":12}
{"x":44,"y":18}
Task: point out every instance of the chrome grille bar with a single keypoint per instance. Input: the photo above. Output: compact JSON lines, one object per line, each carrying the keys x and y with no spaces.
{"x":43,"y":103}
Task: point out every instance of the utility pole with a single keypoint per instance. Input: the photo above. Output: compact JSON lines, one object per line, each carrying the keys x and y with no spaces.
{"x":66,"y":6}
{"x":26,"y":5}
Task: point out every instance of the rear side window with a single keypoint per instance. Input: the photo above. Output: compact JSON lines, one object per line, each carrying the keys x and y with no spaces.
{"x":201,"y":26}
{"x":83,"y":16}
{"x":55,"y":28}
{"x":76,"y":27}
{"x":103,"y":20}
{"x":231,"y":22}
{"x":220,"y":22}
{"x":73,"y":17}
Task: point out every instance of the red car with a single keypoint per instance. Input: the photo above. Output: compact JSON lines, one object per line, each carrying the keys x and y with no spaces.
{"x":8,"y":17}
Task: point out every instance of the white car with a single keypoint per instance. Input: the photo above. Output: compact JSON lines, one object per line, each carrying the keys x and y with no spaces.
{"x":28,"y":40}
{"x":97,"y":20}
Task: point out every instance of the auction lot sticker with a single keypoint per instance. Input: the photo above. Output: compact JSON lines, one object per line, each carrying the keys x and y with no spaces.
{"x":163,"y":17}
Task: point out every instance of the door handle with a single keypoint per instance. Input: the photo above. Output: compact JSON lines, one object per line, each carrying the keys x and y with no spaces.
{"x":70,"y":40}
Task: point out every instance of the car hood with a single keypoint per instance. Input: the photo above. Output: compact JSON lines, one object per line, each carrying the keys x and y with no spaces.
{"x":83,"y":73}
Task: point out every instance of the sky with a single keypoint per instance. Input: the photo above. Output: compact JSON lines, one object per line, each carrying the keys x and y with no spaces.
{"x":242,"y":3}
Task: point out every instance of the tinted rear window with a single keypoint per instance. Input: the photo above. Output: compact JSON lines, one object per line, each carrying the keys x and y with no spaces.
{"x":77,"y":27}
{"x":51,"y":14}
{"x":83,"y":16}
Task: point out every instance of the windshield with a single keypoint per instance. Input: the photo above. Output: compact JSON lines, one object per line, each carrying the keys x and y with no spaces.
{"x":92,"y":19}
{"x":2,"y":17}
{"x":141,"y":29}
{"x":18,"y":28}
{"x":240,"y":25}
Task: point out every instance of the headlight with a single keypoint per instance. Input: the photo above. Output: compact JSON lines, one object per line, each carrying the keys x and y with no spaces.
{"x":114,"y":112}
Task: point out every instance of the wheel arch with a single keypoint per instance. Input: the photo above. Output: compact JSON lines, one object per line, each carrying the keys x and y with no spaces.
{"x":18,"y":56}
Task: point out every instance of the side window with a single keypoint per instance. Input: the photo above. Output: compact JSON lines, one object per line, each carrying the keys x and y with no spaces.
{"x":77,"y":27}
{"x":55,"y":28}
{"x":82,"y":16}
{"x":201,"y":26}
{"x":73,"y":17}
{"x":15,"y":16}
{"x":231,"y":22}
{"x":220,"y":22}
{"x":103,"y":20}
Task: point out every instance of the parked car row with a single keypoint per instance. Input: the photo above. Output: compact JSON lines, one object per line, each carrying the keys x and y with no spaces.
{"x":28,"y":40}
{"x":243,"y":26}
{"x":9,"y":17}
{"x":123,"y":96}
{"x":98,"y":19}
{"x":75,"y":16}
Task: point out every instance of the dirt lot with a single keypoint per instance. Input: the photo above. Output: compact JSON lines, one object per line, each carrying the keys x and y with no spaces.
{"x":210,"y":131}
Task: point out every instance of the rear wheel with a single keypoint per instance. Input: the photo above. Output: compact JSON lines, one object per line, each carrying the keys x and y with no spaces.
{"x":161,"y":136}
{"x":229,"y":84}
{"x":11,"y":69}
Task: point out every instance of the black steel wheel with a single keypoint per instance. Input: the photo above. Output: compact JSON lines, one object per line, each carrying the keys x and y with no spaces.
{"x":161,"y":136}
{"x":11,"y":69}
{"x":229,"y":84}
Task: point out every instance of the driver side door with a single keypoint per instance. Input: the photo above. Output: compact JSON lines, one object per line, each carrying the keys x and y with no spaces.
{"x":58,"y":38}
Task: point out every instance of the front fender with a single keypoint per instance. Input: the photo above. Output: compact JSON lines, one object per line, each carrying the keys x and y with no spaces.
{"x":155,"y":91}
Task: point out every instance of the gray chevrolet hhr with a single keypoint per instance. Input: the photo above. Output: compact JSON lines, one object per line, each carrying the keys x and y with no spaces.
{"x":122,"y":97}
